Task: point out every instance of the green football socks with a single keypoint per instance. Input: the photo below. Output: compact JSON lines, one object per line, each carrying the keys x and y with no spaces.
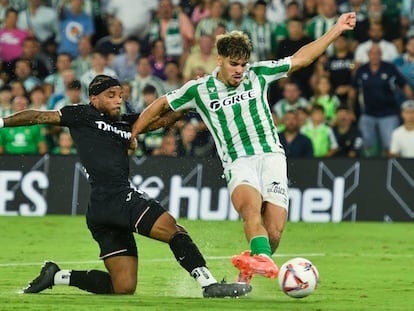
{"x":260,"y":245}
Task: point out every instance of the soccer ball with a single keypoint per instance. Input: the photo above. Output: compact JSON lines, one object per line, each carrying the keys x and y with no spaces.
{"x":298,"y":277}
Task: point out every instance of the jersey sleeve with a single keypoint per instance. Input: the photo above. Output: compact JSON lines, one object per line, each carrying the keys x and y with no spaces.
{"x":71,"y":116}
{"x":130,"y":117}
{"x":184,"y":97}
{"x":272,"y":70}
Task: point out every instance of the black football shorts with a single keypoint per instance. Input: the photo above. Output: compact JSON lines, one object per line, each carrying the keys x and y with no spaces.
{"x":114,"y":215}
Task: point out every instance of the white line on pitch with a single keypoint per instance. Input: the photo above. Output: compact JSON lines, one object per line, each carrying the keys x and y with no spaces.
{"x":17,"y":264}
{"x":290,"y":255}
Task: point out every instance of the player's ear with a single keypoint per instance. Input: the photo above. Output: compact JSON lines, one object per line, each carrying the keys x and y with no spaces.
{"x":219,"y":60}
{"x":93,"y":99}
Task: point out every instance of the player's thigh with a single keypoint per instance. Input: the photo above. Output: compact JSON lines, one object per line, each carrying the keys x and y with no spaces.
{"x":165,"y":227}
{"x":247,"y":201}
{"x":243,"y":184}
{"x":112,"y":240}
{"x":274,"y":182}
{"x":143,"y":212}
{"x":123,"y":271}
{"x":150,"y":219}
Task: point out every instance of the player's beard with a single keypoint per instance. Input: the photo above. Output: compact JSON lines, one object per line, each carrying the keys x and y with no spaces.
{"x":114,"y":116}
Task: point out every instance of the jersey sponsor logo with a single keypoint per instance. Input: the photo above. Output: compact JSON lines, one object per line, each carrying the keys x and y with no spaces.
{"x":232,"y":100}
{"x":110,"y":128}
{"x":10,"y":39}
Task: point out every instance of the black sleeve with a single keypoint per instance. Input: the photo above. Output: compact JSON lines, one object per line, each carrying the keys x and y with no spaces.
{"x":72,"y":116}
{"x":130,"y":118}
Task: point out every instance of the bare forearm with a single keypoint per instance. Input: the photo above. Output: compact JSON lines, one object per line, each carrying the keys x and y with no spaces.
{"x":165,"y":120}
{"x":32,"y":117}
{"x":307,"y":54}
{"x":310,"y":52}
{"x":149,"y":118}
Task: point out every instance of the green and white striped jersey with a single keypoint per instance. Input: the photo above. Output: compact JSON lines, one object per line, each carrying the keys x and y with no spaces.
{"x":239,"y":118}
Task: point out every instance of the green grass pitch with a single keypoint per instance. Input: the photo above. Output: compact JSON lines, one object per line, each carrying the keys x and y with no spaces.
{"x":362,"y":266}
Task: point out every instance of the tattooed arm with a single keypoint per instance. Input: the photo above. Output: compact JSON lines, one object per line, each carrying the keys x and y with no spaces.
{"x":164,"y":120}
{"x":156,"y":115}
{"x":31,"y":117}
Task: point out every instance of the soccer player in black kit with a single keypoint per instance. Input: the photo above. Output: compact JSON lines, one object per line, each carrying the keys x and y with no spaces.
{"x":116,"y":210}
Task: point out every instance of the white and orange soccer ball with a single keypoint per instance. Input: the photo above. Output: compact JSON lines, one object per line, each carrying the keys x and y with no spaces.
{"x":298,"y":277}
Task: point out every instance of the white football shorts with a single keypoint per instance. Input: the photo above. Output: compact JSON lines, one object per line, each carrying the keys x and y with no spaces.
{"x":266,"y":172}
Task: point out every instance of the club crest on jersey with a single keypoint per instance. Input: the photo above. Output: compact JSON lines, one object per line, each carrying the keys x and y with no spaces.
{"x":231,"y":100}
{"x":212,"y":89}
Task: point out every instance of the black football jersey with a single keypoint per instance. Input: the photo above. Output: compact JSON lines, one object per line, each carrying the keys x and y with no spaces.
{"x":102,"y":142}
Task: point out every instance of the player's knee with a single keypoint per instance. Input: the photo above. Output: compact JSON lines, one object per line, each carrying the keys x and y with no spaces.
{"x":249,"y":213}
{"x":124,"y":283}
{"x":180,"y":228}
{"x":251,"y":219}
{"x":125,"y":288}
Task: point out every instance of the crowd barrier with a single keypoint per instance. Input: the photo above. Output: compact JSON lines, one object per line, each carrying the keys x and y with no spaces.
{"x":320,"y":190}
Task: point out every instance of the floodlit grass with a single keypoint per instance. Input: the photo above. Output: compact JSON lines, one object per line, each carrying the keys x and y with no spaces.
{"x":362,"y":266}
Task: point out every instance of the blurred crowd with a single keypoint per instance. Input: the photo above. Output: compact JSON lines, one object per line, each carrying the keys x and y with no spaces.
{"x":354,"y":101}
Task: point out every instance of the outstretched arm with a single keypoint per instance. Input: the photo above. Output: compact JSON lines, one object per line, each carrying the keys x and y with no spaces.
{"x":158,"y":114}
{"x":310,"y":52}
{"x":31,"y":117}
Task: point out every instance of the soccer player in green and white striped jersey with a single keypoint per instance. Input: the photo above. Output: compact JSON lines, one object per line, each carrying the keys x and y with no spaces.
{"x":232,"y":102}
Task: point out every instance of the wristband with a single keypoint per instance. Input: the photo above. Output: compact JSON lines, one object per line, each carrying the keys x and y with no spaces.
{"x":1,"y":123}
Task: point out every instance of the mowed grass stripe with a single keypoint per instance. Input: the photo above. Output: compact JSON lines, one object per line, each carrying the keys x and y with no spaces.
{"x":363,"y":266}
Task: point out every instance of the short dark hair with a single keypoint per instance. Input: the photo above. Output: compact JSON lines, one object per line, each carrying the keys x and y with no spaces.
{"x":37,"y":88}
{"x":295,"y":19}
{"x":5,"y":87}
{"x":149,"y":89}
{"x":74,"y":85}
{"x":11,"y":10}
{"x":317,"y":107}
{"x":293,"y":2}
{"x":343,"y":107}
{"x":260,"y":2}
{"x":65,"y":54}
{"x":132,"y":38}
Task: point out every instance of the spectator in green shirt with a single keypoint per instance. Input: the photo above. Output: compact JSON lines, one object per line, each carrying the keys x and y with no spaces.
{"x":322,"y":136}
{"x":23,"y":139}
{"x":325,"y":97}
{"x":65,"y":144}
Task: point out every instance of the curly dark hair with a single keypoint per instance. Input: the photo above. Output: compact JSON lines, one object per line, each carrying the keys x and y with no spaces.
{"x":235,"y":44}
